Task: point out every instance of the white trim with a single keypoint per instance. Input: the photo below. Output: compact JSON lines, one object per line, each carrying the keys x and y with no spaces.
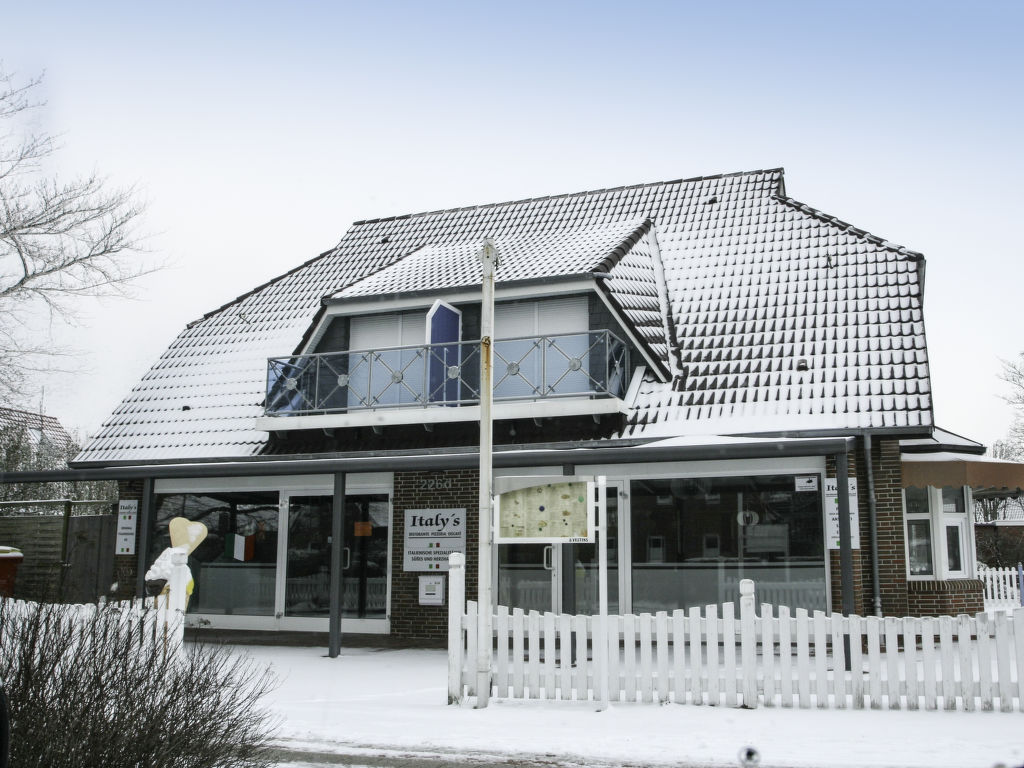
{"x":465,"y":294}
{"x":269,"y":483}
{"x":663,"y":303}
{"x":284,"y":624}
{"x":799,"y":465}
{"x":640,"y":346}
{"x":520,"y":409}
{"x":634,"y":385}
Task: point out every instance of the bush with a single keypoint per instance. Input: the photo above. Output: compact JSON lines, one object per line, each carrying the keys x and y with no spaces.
{"x":88,"y":686}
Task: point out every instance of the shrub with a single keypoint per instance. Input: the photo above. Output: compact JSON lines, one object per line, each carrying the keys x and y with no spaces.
{"x":90,"y":686}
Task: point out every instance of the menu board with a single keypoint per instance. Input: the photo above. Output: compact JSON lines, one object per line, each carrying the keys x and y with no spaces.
{"x":550,"y":512}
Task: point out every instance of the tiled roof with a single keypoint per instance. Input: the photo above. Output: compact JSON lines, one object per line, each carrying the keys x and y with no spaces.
{"x":784,"y":318}
{"x":523,"y":256}
{"x":40,"y":426}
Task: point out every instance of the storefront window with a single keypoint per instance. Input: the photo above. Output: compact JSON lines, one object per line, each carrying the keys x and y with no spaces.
{"x":693,"y":540}
{"x":235,"y":567}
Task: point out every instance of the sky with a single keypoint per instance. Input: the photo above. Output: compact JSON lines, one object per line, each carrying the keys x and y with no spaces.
{"x":258,"y":132}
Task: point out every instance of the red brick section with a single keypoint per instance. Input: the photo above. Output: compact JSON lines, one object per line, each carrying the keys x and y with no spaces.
{"x":892,"y":554}
{"x":428,"y":624}
{"x":946,"y":598}
{"x":892,"y":565}
{"x":126,"y":566}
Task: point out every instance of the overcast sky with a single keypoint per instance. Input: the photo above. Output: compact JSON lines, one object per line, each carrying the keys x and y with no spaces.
{"x":258,"y":132}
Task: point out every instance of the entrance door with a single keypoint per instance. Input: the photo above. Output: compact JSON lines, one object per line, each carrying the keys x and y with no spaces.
{"x":365,"y":556}
{"x":561,"y":578}
{"x":307,"y":588}
{"x":303,"y":595}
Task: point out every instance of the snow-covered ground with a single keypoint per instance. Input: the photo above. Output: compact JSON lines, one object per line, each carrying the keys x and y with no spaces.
{"x":370,"y":701}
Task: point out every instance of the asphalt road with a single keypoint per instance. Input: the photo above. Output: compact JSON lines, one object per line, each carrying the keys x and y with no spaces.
{"x":302,"y":759}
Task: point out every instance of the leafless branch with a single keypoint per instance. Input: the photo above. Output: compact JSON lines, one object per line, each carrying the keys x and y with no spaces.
{"x":60,"y":239}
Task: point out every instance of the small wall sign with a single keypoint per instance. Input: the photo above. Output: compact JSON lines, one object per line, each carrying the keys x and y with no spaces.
{"x":432,"y":590}
{"x":431,"y":535}
{"x":832,"y":513}
{"x":127,"y":514}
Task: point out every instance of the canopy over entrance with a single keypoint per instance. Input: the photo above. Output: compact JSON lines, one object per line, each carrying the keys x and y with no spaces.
{"x":942,"y":469}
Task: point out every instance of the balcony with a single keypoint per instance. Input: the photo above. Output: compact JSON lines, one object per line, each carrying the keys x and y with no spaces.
{"x":560,"y":375}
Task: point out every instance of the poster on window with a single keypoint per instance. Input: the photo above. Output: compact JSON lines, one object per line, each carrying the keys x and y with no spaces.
{"x":832,"y":513}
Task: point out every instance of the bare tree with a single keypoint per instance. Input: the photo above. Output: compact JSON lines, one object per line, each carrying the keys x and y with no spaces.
{"x":60,"y":239}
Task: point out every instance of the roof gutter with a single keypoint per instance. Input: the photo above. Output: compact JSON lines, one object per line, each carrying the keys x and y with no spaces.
{"x":264,"y":466}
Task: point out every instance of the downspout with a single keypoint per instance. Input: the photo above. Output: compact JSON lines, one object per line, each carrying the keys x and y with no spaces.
{"x":876,"y":594}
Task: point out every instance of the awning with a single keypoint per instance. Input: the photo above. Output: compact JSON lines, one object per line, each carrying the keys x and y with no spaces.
{"x":942,"y":469}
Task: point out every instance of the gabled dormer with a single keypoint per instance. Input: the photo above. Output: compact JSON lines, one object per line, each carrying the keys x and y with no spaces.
{"x":580,"y":319}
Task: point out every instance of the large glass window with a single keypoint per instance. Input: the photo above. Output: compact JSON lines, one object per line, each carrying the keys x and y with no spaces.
{"x":694,"y":539}
{"x":235,"y":567}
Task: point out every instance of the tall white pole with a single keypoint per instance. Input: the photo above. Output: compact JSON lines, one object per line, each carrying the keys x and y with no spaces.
{"x":601,"y":650}
{"x":489,"y":261}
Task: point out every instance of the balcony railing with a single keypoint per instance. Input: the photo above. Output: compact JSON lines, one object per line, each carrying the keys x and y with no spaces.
{"x":592,"y":364}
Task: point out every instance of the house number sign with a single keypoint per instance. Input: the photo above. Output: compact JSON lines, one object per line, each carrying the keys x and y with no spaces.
{"x":435,"y":482}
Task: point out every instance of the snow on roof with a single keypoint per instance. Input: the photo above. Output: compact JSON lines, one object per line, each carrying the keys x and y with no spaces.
{"x":522,"y":256}
{"x":779,"y":316}
{"x":941,"y":440}
{"x":40,"y":428}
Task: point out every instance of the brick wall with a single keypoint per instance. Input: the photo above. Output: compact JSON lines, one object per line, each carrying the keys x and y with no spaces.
{"x":946,"y":598}
{"x":892,"y":565}
{"x":428,"y":624}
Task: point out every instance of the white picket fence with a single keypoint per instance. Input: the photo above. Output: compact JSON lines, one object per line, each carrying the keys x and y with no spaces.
{"x":1002,"y":587}
{"x":714,"y":657}
{"x":159,"y":621}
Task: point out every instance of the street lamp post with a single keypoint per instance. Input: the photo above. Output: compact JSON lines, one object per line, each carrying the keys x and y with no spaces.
{"x":489,"y":262}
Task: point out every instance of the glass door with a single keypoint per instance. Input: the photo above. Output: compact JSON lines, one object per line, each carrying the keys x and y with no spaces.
{"x":562,"y":577}
{"x":307,"y":590}
{"x":526,"y":576}
{"x":365,"y":556}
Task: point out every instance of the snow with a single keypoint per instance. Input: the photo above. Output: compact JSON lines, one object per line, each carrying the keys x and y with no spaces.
{"x":388,"y":702}
{"x":162,"y":566}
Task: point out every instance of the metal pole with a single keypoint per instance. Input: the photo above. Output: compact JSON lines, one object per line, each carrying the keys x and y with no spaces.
{"x":337,"y":574}
{"x":601,"y":636}
{"x":489,"y":261}
{"x":145,"y":532}
{"x":845,"y":538}
{"x":845,"y":543}
{"x":876,"y":591}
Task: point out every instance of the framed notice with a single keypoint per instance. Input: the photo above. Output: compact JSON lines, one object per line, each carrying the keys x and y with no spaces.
{"x":832,"y":513}
{"x":127,"y":514}
{"x":546,"y":512}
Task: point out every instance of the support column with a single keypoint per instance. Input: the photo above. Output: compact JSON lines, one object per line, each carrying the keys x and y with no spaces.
{"x":337,"y":572}
{"x":146,"y":511}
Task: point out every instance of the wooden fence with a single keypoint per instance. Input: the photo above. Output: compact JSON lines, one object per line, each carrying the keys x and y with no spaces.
{"x":1002,"y":586}
{"x":712,"y":656}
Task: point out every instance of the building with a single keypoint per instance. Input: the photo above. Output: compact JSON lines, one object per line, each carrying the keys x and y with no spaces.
{"x":720,"y":351}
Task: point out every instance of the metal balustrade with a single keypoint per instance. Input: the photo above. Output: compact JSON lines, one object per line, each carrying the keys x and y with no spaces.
{"x":590,"y":364}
